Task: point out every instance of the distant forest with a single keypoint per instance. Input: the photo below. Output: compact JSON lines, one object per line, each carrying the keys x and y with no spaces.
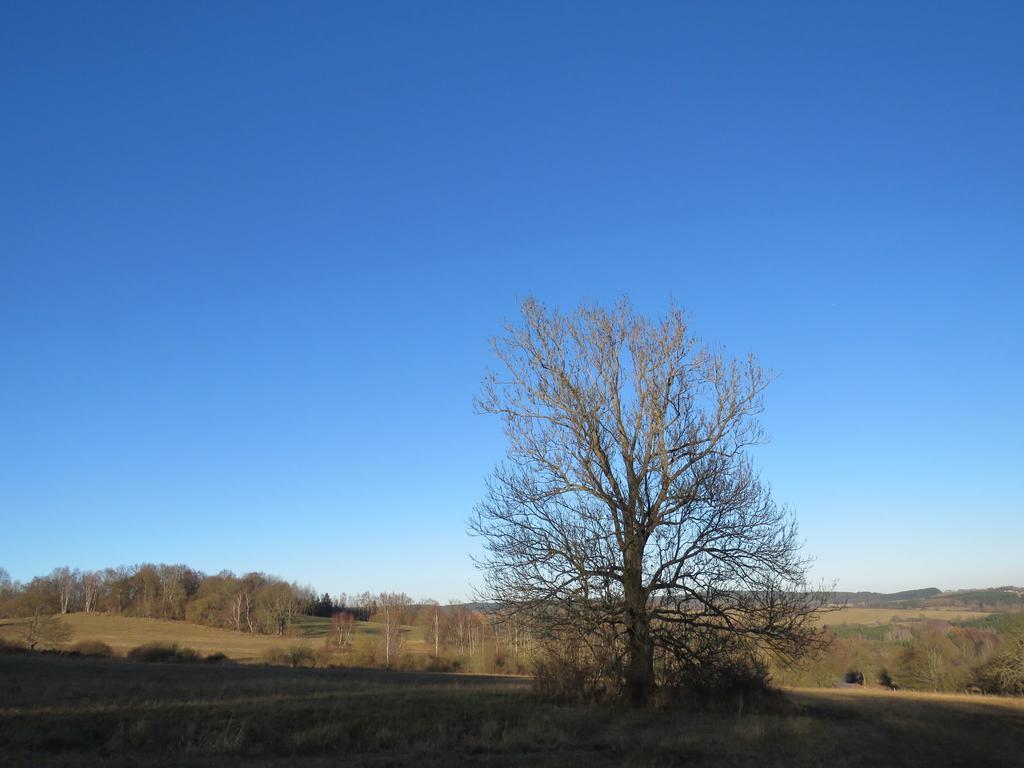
{"x":459,"y":637}
{"x":254,"y":602}
{"x":992,"y":599}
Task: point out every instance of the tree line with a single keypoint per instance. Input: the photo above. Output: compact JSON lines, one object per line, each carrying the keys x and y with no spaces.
{"x":979,"y":655}
{"x":254,"y":602}
{"x":453,"y":637}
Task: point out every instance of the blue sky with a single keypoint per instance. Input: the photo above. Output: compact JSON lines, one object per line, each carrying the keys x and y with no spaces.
{"x":251,"y":256}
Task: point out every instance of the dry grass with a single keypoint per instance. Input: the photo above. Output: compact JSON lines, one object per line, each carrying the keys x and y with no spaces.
{"x":875,"y":616}
{"x":872,"y":697}
{"x":87,"y":712}
{"x":123,"y":634}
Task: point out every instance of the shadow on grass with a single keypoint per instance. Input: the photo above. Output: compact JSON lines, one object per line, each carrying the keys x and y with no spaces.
{"x":64,"y":711}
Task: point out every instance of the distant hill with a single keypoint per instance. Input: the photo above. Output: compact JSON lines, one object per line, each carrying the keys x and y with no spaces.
{"x":993,"y":598}
{"x":886,"y":599}
{"x":997,"y":598}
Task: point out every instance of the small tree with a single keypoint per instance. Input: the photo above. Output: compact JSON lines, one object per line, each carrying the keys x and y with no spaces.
{"x":65,"y":583}
{"x":932,"y":662}
{"x":44,"y":628}
{"x":92,"y":584}
{"x":1005,"y":674}
{"x":429,"y":618}
{"x":392,"y":609}
{"x":343,"y":625}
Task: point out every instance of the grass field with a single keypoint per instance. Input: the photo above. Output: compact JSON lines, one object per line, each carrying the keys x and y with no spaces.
{"x":123,"y":634}
{"x":59,"y":711}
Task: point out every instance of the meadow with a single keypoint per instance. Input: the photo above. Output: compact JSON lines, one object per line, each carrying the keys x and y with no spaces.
{"x":876,"y":616}
{"x":63,"y":711}
{"x":124,"y":633}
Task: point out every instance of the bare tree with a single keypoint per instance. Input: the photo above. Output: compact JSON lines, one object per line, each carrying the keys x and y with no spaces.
{"x":277,"y":602}
{"x":120,"y":588}
{"x":392,"y":608}
{"x":65,"y":582}
{"x":177,"y":584}
{"x":42,"y":627}
{"x":627,"y":503}
{"x":6,"y":584}
{"x":343,"y":627}
{"x":92,"y":582}
{"x":429,"y":617}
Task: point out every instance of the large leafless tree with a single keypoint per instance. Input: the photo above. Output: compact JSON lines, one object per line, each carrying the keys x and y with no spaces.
{"x":627,"y":505}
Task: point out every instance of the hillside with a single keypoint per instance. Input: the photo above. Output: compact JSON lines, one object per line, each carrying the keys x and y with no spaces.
{"x":878,"y":599}
{"x":122,"y":634}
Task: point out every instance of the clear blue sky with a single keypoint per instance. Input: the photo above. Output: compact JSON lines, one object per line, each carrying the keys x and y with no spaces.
{"x":251,"y":256}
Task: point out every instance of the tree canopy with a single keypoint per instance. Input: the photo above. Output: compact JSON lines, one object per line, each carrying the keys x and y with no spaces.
{"x":627,"y":511}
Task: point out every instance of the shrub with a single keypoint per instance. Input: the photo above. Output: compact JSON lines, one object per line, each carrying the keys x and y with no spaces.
{"x":217,"y":658}
{"x":92,"y":648}
{"x":322,"y":658}
{"x":733,"y":682}
{"x":1005,"y":673}
{"x":437,"y":664}
{"x":44,"y":629}
{"x":301,"y":656}
{"x":6,"y":646}
{"x":885,"y":679}
{"x":364,"y":652}
{"x":275,"y":657}
{"x":933,"y":663}
{"x":568,"y":673}
{"x":162,"y":653}
{"x":292,"y":656}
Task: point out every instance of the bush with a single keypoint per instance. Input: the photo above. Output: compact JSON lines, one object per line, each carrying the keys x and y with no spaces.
{"x":323,"y":658}
{"x":292,"y":656}
{"x":933,"y":663}
{"x":440,"y":664}
{"x":275,"y":657}
{"x":565,"y":673}
{"x":217,"y":658}
{"x":1005,"y":673}
{"x":6,"y":646}
{"x":44,"y":629}
{"x":736,"y":683}
{"x":363,"y":653}
{"x":885,"y":679}
{"x":92,"y":648}
{"x":163,"y":653}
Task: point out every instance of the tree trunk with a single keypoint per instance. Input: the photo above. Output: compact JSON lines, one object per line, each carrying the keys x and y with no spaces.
{"x":639,"y":687}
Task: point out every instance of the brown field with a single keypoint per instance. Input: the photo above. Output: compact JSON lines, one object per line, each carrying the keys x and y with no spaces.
{"x":882,"y":697}
{"x":887,"y":615}
{"x":59,"y":711}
